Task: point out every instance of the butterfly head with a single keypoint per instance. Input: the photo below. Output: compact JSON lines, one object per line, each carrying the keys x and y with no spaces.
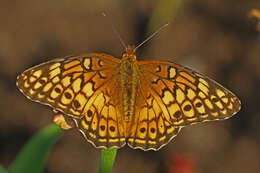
{"x":129,"y":52}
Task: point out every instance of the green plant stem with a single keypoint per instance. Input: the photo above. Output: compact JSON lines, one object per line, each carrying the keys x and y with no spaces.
{"x":107,"y":160}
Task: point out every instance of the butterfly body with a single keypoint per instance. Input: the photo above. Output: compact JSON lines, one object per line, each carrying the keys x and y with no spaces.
{"x":114,"y":102}
{"x":129,"y":81}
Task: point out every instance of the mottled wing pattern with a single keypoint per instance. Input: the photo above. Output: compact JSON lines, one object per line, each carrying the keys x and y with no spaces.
{"x":86,"y":90}
{"x":150,"y":129}
{"x":66,"y":84}
{"x":78,"y":87}
{"x":102,"y":124}
{"x":185,"y":96}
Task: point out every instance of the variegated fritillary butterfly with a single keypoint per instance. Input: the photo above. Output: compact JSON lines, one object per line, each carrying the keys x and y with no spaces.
{"x":114,"y":102}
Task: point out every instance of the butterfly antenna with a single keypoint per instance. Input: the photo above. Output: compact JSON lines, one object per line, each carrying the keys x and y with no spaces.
{"x":151,"y":36}
{"x":115,"y":31}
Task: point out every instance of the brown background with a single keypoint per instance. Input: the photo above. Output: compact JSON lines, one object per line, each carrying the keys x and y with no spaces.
{"x":215,"y":37}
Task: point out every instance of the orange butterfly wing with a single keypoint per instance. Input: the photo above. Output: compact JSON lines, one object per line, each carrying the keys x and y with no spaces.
{"x":150,"y":129}
{"x":85,"y":89}
{"x":186,"y":96}
{"x":172,"y":96}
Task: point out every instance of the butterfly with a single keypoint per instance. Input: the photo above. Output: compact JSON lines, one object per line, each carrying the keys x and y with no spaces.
{"x":114,"y":102}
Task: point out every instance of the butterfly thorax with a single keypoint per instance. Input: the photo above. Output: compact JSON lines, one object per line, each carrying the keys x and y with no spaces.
{"x":129,"y":80}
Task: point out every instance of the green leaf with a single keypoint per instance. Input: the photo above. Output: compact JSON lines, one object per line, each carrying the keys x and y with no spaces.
{"x":164,"y":12}
{"x":32,"y":157}
{"x":2,"y":170}
{"x":107,"y":160}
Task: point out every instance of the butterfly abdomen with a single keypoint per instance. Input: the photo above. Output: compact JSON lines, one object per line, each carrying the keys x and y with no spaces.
{"x":129,"y":80}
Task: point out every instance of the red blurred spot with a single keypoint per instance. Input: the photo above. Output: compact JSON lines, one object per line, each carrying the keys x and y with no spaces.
{"x":182,"y":164}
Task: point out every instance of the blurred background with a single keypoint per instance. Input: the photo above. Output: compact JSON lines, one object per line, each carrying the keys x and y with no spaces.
{"x":215,"y":37}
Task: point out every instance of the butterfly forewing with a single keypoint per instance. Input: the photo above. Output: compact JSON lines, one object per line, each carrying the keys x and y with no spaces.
{"x":185,"y":96}
{"x":67,"y":84}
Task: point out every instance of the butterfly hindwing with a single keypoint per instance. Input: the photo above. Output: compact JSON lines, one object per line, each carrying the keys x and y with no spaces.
{"x":102,"y":123}
{"x":150,"y":130}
